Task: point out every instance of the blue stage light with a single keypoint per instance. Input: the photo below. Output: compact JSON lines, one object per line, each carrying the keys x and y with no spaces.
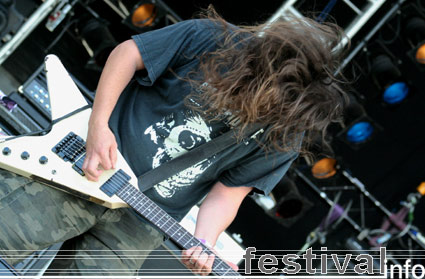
{"x":360,"y":132}
{"x":395,"y":93}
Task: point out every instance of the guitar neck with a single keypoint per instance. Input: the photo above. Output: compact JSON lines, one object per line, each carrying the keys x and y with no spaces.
{"x":168,"y":225}
{"x":72,"y":148}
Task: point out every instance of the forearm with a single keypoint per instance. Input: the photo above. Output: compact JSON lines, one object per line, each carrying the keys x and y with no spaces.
{"x":213,"y":218}
{"x":216,"y":213}
{"x":101,"y":145}
{"x":120,"y":67}
{"x":218,"y":210}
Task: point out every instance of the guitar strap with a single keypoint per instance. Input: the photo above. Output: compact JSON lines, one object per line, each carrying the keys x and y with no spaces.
{"x":190,"y":158}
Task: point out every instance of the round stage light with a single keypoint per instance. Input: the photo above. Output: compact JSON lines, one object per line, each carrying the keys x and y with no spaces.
{"x":395,"y":93}
{"x":360,"y":132}
{"x":421,"y":188}
{"x":95,"y":33}
{"x":420,"y":54}
{"x":384,"y":70}
{"x":144,"y":15}
{"x":324,"y":168}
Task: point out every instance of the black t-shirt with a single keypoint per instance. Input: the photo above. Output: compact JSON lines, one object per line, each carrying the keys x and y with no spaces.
{"x":152,"y":124}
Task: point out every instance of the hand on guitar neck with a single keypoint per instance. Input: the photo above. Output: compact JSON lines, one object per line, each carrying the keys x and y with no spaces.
{"x":199,"y":262}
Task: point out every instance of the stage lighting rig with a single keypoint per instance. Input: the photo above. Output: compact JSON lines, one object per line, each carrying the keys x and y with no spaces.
{"x":367,"y":201}
{"x":146,"y":14}
{"x":98,"y":41}
{"x":284,"y":204}
{"x":143,"y":15}
{"x":358,"y":127}
{"x":415,"y":35}
{"x":324,"y":168}
{"x":388,"y":78}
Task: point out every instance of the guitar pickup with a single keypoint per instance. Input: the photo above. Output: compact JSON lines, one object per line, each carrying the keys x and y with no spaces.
{"x":115,"y":183}
{"x":78,"y":166}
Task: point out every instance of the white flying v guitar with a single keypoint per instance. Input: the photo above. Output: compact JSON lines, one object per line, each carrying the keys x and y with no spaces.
{"x":56,"y":158}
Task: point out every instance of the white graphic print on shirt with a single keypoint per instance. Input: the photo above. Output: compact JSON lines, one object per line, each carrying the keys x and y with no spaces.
{"x":172,"y":139}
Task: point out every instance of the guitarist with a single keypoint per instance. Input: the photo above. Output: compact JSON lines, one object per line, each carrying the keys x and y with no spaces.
{"x":168,"y":91}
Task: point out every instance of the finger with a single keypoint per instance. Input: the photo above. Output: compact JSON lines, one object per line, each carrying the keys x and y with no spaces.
{"x":91,"y":171}
{"x":105,"y":160}
{"x":233,"y":266}
{"x":208,"y":265}
{"x":186,"y":254}
{"x":89,"y":176}
{"x":86,"y":161}
{"x":113,"y":155}
{"x":93,"y":176}
{"x":200,"y":263}
{"x":195,"y":255}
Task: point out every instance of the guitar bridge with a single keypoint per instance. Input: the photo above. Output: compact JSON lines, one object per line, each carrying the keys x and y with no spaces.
{"x":72,"y":148}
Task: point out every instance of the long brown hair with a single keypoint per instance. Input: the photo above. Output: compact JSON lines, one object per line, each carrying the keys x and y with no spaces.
{"x":279,"y":74}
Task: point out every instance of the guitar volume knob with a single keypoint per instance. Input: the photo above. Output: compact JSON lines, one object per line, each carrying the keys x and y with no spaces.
{"x":25,"y":155}
{"x":6,"y":151}
{"x":43,"y":160}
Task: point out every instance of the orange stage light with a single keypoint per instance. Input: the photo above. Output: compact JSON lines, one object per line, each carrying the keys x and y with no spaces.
{"x":324,"y":168}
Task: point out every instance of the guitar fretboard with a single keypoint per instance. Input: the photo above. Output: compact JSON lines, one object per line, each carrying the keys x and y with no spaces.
{"x":161,"y":219}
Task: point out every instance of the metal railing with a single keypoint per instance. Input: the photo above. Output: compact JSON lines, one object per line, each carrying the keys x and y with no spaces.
{"x":363,"y":14}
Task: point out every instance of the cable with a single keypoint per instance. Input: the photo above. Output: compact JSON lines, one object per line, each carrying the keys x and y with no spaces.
{"x":325,"y":12}
{"x":60,"y":35}
{"x":421,"y":8}
{"x":46,"y":130}
{"x":397,"y":32}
